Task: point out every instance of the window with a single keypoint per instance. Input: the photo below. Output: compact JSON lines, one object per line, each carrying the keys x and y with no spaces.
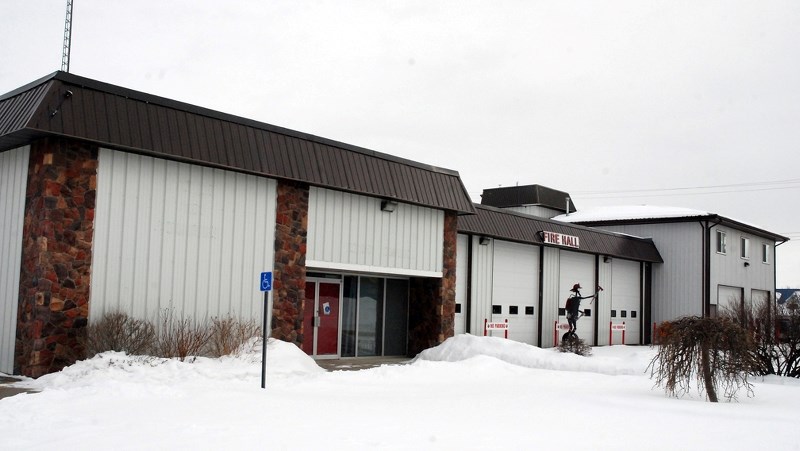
{"x":529,"y":310}
{"x":744,"y":251}
{"x":497,"y":309}
{"x":721,"y":242}
{"x":513,"y":310}
{"x":765,"y":253}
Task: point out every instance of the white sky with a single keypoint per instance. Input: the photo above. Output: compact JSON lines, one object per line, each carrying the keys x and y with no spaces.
{"x":582,"y":96}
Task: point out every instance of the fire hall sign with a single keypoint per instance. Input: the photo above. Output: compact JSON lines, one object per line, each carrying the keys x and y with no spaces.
{"x":559,"y":239}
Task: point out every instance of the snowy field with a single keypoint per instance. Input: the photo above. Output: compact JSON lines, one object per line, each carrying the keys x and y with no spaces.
{"x":468,"y":393}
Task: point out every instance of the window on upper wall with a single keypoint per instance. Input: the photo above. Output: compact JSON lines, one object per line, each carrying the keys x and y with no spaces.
{"x":765,"y":253}
{"x":722,"y":244}
{"x":744,"y":250}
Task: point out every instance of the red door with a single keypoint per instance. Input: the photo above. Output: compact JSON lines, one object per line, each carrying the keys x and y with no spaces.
{"x":328,"y":312}
{"x":321,"y":319}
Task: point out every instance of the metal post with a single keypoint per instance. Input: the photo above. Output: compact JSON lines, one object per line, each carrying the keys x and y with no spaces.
{"x":264,"y":342}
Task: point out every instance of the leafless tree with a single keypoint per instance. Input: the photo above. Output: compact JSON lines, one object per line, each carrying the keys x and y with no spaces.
{"x":775,"y":332}
{"x":713,"y":352}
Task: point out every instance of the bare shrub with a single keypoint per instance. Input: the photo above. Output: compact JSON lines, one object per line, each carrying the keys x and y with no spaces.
{"x":117,"y":331}
{"x":575,"y":345}
{"x":181,"y":337}
{"x":775,"y":332}
{"x":229,"y":334}
{"x":713,"y":352}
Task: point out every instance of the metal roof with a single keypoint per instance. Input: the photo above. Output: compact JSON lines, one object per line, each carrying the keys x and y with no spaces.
{"x":512,"y":226}
{"x":517,"y":196}
{"x":67,"y":105}
{"x":626,"y":215}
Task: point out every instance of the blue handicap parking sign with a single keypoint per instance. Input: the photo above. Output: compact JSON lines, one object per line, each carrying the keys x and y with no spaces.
{"x":266,"y":281}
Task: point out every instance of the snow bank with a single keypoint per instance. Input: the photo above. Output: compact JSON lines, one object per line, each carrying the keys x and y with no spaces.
{"x":611,"y":361}
{"x":284,"y":360}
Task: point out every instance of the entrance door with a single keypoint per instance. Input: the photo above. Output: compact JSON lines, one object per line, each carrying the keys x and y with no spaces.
{"x":321,"y":318}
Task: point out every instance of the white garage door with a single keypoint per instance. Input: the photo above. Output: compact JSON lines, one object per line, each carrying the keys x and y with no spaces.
{"x":181,"y":236}
{"x":575,"y":268}
{"x":728,"y":298}
{"x":625,"y":300}
{"x":515,"y":289}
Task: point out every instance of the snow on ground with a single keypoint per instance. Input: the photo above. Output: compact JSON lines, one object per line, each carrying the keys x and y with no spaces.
{"x":469,"y":393}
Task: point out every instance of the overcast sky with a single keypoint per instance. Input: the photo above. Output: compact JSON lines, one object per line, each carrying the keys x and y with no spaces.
{"x":617,"y":103}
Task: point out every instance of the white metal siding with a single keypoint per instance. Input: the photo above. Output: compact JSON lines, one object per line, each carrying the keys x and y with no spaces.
{"x":170,"y":234}
{"x":462,"y":260}
{"x":516,"y":283}
{"x":625,"y":297}
{"x":350,"y":232}
{"x":482,"y":277}
{"x":575,"y":268}
{"x":551,"y":296}
{"x":537,"y":210}
{"x":732,"y":270}
{"x":13,"y":183}
{"x":677,"y":284}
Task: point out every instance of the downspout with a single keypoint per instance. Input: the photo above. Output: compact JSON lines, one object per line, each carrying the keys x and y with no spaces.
{"x":707,"y":266}
{"x":468,"y":306}
{"x":541,"y":297}
{"x":597,"y":303}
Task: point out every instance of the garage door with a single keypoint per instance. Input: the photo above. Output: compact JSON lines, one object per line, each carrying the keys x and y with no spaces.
{"x":515,"y":289}
{"x":625,"y":300}
{"x":579,"y":268}
{"x":728,"y":299}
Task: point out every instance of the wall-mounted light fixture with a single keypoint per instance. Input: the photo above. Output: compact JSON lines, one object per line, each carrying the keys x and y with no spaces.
{"x":746,"y":264}
{"x":388,"y":205}
{"x":606,"y":259}
{"x":484,"y":240}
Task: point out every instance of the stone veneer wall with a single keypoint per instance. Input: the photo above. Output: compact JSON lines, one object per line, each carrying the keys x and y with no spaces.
{"x":289,"y":272}
{"x":432,"y":303}
{"x":56,"y":256}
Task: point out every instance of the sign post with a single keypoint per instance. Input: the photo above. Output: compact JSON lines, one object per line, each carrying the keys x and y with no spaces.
{"x":265,"y":283}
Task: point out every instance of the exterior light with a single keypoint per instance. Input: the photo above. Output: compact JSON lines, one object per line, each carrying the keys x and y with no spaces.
{"x":388,"y":205}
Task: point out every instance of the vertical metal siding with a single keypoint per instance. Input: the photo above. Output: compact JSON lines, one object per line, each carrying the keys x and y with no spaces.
{"x":349,"y":231}
{"x":482,"y":277}
{"x":177,"y":235}
{"x":729,"y":269}
{"x":681,"y":246}
{"x":551,"y":295}
{"x":13,"y":183}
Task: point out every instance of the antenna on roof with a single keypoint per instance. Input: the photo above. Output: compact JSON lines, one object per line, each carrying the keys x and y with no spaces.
{"x":67,"y":38}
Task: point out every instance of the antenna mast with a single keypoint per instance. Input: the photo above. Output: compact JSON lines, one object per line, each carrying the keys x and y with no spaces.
{"x":67,"y":38}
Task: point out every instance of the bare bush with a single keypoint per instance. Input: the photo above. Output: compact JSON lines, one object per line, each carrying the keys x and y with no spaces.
{"x":229,"y":334}
{"x":575,"y":345}
{"x":712,"y":352}
{"x":181,"y":337}
{"x":117,"y":331}
{"x":775,"y":331}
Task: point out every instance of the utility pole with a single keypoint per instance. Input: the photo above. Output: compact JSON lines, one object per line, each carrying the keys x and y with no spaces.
{"x":67,"y":38}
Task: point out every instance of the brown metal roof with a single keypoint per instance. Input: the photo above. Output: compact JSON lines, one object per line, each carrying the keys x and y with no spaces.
{"x":511,"y":226}
{"x":517,"y":196}
{"x":63,"y":104}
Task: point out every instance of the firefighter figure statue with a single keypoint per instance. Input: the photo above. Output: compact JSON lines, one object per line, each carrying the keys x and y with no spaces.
{"x":573,"y":309}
